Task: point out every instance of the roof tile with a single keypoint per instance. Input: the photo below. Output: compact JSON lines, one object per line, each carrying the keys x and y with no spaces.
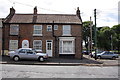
{"x":46,"y":18}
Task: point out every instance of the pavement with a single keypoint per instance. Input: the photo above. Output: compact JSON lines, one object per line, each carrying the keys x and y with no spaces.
{"x":86,"y":61}
{"x":106,"y":62}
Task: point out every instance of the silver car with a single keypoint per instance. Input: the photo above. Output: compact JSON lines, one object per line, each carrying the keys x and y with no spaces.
{"x":27,"y":53}
{"x":107,"y":54}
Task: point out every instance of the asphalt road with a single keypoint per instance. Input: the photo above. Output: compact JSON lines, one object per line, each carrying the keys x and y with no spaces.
{"x":38,"y":71}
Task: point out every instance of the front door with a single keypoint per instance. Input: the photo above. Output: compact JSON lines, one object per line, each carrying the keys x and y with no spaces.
{"x":25,"y":44}
{"x":49,"y":47}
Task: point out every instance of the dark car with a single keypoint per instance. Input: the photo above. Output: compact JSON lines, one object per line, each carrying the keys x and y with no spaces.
{"x":86,"y":52}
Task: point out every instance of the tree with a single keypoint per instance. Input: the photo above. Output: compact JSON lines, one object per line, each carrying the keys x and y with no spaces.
{"x":86,"y":33}
{"x":104,"y":38}
{"x":116,"y":37}
{"x":107,"y":38}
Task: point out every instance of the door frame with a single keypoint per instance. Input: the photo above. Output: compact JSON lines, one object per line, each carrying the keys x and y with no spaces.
{"x":51,"y":47}
{"x":25,"y":41}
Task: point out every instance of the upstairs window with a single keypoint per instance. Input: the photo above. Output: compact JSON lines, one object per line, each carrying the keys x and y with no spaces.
{"x":37,"y":30}
{"x":37,"y":44}
{"x":55,"y":27}
{"x":14,"y":29}
{"x":49,"y":27}
{"x":66,"y":30}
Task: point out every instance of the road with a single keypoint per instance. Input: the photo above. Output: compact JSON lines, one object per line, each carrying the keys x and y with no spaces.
{"x":38,"y":71}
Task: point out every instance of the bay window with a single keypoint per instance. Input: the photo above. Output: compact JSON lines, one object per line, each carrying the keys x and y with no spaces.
{"x":66,"y":46}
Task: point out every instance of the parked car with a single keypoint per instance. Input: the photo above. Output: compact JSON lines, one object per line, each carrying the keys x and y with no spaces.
{"x":107,"y":54}
{"x":93,"y":53}
{"x":27,"y":53}
{"x":86,"y":52}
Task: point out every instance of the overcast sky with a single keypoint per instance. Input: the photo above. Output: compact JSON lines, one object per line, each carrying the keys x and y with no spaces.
{"x":107,"y":10}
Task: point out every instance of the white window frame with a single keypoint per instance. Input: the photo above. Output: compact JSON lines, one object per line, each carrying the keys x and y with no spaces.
{"x":34,"y":46}
{"x":49,"y":27}
{"x":13,"y":32}
{"x":40,"y":29}
{"x":11,"y":46}
{"x":55,"y":27}
{"x":62,"y":39}
{"x":67,"y":30}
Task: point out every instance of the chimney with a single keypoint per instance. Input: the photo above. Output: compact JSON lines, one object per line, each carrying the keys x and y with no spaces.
{"x":78,"y":12}
{"x":35,"y":15}
{"x":12,"y":11}
{"x":35,"y":10}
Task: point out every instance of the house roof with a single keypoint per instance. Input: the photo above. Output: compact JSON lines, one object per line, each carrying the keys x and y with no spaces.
{"x":45,"y":18}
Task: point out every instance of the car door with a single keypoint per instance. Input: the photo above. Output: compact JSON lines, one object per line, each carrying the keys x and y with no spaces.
{"x":22,"y":53}
{"x":111,"y":54}
{"x":31,"y":54}
{"x":105,"y":55}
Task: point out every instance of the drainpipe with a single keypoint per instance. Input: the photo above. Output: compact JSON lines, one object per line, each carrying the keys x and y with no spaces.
{"x":55,"y":42}
{"x":3,"y":28}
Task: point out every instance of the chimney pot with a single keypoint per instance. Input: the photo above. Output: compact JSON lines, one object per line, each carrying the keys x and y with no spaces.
{"x":35,"y":10}
{"x":12,"y":11}
{"x":78,"y":12}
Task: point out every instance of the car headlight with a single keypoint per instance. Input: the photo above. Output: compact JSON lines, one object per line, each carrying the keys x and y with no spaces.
{"x":45,"y":56}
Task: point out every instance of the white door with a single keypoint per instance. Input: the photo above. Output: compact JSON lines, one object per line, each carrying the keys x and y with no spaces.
{"x":49,"y":47}
{"x":25,"y":44}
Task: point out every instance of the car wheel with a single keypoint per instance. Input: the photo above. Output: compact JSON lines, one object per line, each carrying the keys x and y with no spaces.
{"x":41,"y":59}
{"x":91,"y":56}
{"x":99,"y":57}
{"x":16,"y":58}
{"x":113,"y":57}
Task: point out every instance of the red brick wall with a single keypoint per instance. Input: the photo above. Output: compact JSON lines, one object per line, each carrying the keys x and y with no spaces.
{"x":26,"y":32}
{"x":6,"y":37}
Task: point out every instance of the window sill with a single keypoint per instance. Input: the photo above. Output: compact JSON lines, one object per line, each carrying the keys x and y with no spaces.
{"x":66,"y":35}
{"x":37,"y":35}
{"x":66,"y":53}
{"x":13,"y":34}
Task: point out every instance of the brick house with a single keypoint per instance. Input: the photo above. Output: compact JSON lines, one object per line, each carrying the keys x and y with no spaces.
{"x":1,"y":19}
{"x":55,"y":34}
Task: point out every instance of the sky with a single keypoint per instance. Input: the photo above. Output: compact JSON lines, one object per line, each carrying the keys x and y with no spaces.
{"x":107,"y":10}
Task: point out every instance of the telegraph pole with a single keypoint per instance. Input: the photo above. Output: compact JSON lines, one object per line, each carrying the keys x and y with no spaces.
{"x":111,"y":42}
{"x":90,"y":35}
{"x":95,"y":34}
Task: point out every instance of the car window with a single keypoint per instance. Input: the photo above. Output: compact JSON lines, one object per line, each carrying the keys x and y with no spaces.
{"x":34,"y":51}
{"x":105,"y":53}
{"x":110,"y":52}
{"x":29,"y":51}
{"x":22,"y":51}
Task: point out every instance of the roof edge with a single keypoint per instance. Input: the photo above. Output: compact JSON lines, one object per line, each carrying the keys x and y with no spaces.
{"x":44,"y":14}
{"x":47,"y":23}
